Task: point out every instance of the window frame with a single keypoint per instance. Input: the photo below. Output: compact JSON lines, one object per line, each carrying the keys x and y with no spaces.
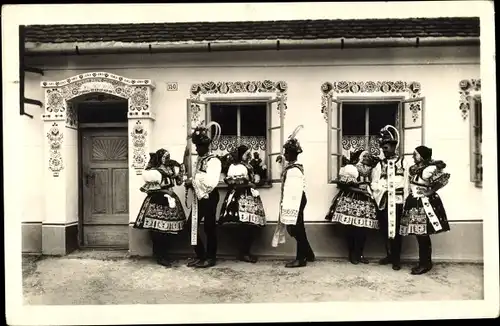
{"x":474,"y":151}
{"x":340,"y":100}
{"x":239,"y":100}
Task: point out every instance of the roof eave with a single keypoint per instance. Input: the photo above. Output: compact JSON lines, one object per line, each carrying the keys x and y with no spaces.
{"x":82,"y":48}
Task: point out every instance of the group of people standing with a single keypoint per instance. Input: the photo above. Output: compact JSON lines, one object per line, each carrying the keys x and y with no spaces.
{"x":392,"y":196}
{"x":380,"y":194}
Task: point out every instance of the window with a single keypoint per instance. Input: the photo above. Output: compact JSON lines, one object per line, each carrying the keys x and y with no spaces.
{"x":89,"y":112}
{"x":476,"y":140}
{"x":361,"y":124}
{"x":355,"y":125}
{"x":256,"y":124}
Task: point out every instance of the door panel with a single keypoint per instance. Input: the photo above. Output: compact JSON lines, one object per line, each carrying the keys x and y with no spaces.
{"x":120,"y":191}
{"x":105,"y":188}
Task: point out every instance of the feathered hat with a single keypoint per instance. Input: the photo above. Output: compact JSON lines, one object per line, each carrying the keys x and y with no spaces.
{"x":292,"y":143}
{"x":387,"y":137}
{"x":201,"y":134}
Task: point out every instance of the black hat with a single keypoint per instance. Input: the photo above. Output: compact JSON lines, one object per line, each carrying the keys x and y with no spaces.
{"x":425,"y":152}
{"x":354,"y":157}
{"x":241,"y":150}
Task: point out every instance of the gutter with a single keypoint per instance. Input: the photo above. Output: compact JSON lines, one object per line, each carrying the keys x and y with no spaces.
{"x":90,"y":48}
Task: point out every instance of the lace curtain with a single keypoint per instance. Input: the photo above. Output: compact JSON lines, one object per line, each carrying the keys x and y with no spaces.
{"x":354,"y":143}
{"x":227,"y":144}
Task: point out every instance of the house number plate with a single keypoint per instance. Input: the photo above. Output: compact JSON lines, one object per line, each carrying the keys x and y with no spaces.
{"x":172,"y":87}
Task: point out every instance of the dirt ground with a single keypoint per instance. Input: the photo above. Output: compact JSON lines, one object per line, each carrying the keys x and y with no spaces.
{"x":113,"y":278}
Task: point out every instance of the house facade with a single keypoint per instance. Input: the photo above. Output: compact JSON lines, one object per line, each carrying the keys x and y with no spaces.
{"x":110,"y":94}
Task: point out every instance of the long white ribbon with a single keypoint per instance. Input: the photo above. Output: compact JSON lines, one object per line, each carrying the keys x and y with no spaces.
{"x":391,"y":200}
{"x":194,"y":220}
{"x":429,"y":211}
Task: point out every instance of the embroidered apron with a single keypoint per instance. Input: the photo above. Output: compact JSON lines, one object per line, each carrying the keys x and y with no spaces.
{"x":429,"y":211}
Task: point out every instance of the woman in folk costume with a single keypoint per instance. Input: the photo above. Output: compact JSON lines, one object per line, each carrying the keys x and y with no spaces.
{"x":242,"y":204}
{"x":292,"y":203}
{"x":206,"y":196}
{"x":424,"y":213}
{"x":162,"y":211}
{"x":354,"y":206}
{"x":390,"y":188}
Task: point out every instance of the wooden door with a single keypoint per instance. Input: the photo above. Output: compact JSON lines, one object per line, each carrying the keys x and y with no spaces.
{"x":105,"y":188}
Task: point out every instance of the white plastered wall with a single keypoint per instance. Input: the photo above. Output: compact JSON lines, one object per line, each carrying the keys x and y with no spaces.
{"x":438,"y":70}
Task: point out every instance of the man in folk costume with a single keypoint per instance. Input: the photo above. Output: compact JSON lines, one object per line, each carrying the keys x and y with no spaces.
{"x":292,"y":203}
{"x":206,"y":197}
{"x":390,"y":189}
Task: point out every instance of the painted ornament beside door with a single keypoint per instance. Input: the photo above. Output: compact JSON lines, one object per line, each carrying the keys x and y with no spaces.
{"x":139,"y":158}
{"x":55,"y":137}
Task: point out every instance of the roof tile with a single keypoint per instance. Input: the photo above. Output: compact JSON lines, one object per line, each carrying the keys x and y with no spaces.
{"x":296,"y":30}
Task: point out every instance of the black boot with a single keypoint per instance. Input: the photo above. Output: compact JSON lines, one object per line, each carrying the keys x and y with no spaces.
{"x":192,"y":262}
{"x":164,"y":262}
{"x":206,"y":263}
{"x":424,"y":253}
{"x":247,"y":258}
{"x":297,"y":263}
{"x":421,"y":269}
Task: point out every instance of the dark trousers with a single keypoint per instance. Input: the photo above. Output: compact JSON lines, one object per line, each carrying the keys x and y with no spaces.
{"x":424,"y":250}
{"x":356,"y":238}
{"x":161,"y":244}
{"x":298,"y":231}
{"x":207,"y":209}
{"x":246,"y":235}
{"x":392,"y":246}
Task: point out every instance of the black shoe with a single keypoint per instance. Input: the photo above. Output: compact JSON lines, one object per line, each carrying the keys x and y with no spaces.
{"x":419,"y":270}
{"x":354,"y":261}
{"x":247,"y":258}
{"x":296,"y":263}
{"x":193,"y":262}
{"x":364,"y":260}
{"x":205,"y":263}
{"x":385,"y":261}
{"x":164,"y":262}
{"x":396,"y":267}
{"x":311,"y":258}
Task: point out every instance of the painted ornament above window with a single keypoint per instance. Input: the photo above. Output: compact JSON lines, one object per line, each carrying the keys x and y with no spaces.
{"x":467,"y":88}
{"x":265,"y":86}
{"x":412,"y":89}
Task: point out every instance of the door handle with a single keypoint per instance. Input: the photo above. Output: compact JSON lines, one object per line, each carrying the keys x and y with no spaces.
{"x":89,"y":176}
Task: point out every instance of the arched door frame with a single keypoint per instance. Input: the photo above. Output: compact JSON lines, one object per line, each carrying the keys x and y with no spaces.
{"x":60,"y":184}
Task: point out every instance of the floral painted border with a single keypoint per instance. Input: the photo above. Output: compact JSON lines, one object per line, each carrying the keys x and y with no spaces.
{"x":412,"y":88}
{"x":55,"y":138}
{"x":467,"y":88}
{"x":265,"y":86}
{"x":58,"y":106}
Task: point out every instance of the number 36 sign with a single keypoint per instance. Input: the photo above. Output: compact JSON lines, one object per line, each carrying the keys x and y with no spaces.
{"x":172,"y":86}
